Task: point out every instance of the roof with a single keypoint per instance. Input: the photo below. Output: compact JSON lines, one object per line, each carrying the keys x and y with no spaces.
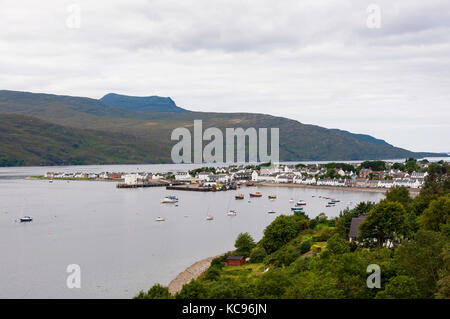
{"x":354,"y":227}
{"x":235,"y":257}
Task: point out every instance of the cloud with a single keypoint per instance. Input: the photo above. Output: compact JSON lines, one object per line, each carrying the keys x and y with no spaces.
{"x":314,"y":61}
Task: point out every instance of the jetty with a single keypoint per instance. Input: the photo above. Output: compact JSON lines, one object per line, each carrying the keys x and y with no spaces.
{"x":142,"y":185}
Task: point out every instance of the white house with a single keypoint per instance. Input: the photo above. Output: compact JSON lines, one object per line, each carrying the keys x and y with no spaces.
{"x":131,"y":179}
{"x":183,"y":176}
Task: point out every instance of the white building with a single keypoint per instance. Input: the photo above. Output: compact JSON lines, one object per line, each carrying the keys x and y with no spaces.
{"x":131,"y":179}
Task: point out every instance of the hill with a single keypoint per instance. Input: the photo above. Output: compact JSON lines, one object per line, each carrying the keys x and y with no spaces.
{"x":142,"y":104}
{"x":149,"y":131}
{"x":28,"y":141}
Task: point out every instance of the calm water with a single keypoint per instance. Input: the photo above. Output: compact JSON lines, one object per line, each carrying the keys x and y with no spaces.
{"x":112,"y":234}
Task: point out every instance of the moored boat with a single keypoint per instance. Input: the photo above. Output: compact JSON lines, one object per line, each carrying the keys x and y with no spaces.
{"x":240,"y":196}
{"x":301,"y":202}
{"x":160,"y":219}
{"x":271,"y":212}
{"x":231,"y":213}
{"x":170,"y":200}
{"x":25,"y":219}
{"x":209,"y":217}
{"x":273,"y":196}
{"x":257,"y":194}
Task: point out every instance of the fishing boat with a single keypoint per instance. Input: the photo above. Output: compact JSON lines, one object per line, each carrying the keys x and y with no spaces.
{"x":240,"y":196}
{"x":257,"y":194}
{"x":273,"y":196}
{"x":301,"y":202}
{"x":25,"y":219}
{"x":170,"y":200}
{"x":159,"y":219}
{"x":232,"y":213}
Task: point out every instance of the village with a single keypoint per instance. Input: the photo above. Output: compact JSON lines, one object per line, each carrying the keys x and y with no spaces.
{"x":354,"y":175}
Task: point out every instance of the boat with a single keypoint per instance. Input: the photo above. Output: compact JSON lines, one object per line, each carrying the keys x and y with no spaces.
{"x":50,"y":181}
{"x":257,"y":194}
{"x":271,"y":212}
{"x":209,"y":217}
{"x":170,"y":200}
{"x":231,"y":213}
{"x":273,"y":196}
{"x":159,"y":219}
{"x":297,"y":209}
{"x":329,"y":205}
{"x":240,"y":196}
{"x":291,"y":200}
{"x":25,"y":219}
{"x":301,"y":202}
{"x":331,"y":202}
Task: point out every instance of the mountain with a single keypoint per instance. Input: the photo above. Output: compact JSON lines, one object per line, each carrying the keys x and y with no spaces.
{"x":139,"y":134}
{"x":142,"y":104}
{"x":29,"y":141}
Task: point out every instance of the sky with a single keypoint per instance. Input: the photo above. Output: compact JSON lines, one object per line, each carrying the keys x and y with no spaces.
{"x":380,"y":68}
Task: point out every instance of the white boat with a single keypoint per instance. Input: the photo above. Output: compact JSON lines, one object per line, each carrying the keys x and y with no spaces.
{"x":232,"y":213}
{"x":170,"y":200}
{"x":26,"y":219}
{"x":291,"y":200}
{"x":209,"y":217}
{"x":301,"y":202}
{"x":159,"y":219}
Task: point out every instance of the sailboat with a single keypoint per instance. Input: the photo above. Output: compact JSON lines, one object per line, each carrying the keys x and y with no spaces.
{"x":230,"y":212}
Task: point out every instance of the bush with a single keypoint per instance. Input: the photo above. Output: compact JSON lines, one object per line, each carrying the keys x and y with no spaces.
{"x":257,"y":255}
{"x":155,"y":292}
{"x":305,"y":246}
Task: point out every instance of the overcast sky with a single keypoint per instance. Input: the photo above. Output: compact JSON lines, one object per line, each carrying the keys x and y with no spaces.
{"x":314,"y":61}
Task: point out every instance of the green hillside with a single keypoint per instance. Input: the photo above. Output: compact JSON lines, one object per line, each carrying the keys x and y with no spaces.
{"x":27,"y":141}
{"x":149,"y":132}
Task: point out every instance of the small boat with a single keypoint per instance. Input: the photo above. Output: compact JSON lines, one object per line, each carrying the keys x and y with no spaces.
{"x":329,"y":205}
{"x":159,"y":219}
{"x":301,"y":202}
{"x":297,"y":209}
{"x":271,"y":212}
{"x":25,"y":219}
{"x":50,"y":181}
{"x":240,"y":196}
{"x":170,"y":200}
{"x":231,"y":213}
{"x":291,"y":200}
{"x":273,"y":196}
{"x":209,"y":217}
{"x":257,"y":194}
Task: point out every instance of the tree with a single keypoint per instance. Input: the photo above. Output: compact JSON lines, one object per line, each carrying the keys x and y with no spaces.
{"x":257,"y":255}
{"x":244,"y":244}
{"x":437,"y":214}
{"x":281,"y":231}
{"x":385,"y":222}
{"x":422,"y":260}
{"x":400,"y":287}
{"x":311,"y":285}
{"x":399,"y":194}
{"x":345,"y":217}
{"x":155,"y":292}
{"x":337,"y":245}
{"x":193,"y":290}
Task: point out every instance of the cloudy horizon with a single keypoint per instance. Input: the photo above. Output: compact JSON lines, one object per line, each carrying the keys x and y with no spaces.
{"x":317,"y":62}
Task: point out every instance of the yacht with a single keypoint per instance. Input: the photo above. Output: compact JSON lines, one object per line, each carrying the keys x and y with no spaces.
{"x":170,"y":200}
{"x":209,"y":217}
{"x":232,"y":213}
{"x":160,"y":219}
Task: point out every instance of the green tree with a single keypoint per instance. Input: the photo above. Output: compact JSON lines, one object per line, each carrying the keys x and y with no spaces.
{"x":193,"y":290}
{"x":344,"y":220}
{"x":257,"y":255}
{"x":422,"y":260}
{"x":244,"y":244}
{"x":399,"y":194}
{"x":400,"y":287}
{"x":437,"y":214}
{"x":385,"y":222}
{"x":281,"y":231}
{"x":337,"y":245}
{"x":155,"y":292}
{"x":311,"y":285}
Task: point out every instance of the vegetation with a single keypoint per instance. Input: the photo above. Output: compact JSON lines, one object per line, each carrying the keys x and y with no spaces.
{"x":300,"y":257}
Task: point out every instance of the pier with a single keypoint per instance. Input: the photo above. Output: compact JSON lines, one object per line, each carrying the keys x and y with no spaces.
{"x":160,"y":184}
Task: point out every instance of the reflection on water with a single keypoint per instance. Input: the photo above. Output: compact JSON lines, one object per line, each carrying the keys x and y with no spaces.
{"x":112,"y":233}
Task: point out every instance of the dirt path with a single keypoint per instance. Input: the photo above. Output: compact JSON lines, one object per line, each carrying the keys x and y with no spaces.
{"x":192,"y":272}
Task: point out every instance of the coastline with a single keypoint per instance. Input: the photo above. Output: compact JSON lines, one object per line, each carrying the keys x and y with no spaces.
{"x":192,"y":272}
{"x":412,"y":191}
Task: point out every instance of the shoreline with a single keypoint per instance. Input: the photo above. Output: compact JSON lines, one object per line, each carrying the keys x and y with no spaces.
{"x":412,"y":191}
{"x":192,"y":272}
